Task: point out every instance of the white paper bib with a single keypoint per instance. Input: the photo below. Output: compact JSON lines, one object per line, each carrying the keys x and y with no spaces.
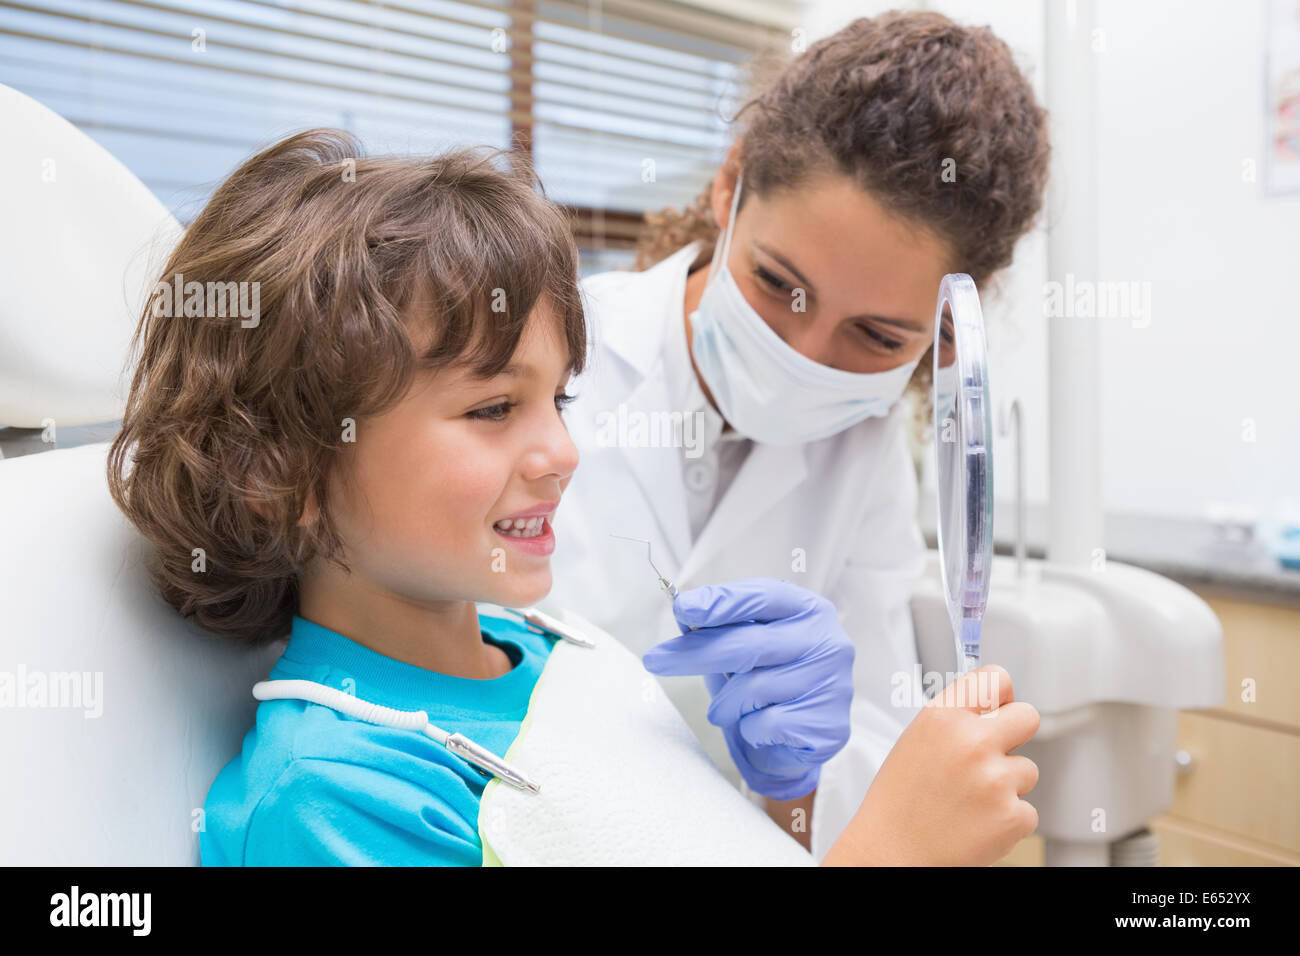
{"x":624,"y":781}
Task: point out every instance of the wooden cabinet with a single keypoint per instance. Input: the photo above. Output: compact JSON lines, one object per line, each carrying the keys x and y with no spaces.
{"x":1238,"y":803}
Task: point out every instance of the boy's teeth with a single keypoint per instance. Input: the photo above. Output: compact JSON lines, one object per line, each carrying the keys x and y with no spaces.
{"x":520,"y":527}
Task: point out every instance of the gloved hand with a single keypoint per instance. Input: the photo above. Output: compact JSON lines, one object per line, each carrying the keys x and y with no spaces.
{"x":784,"y":709}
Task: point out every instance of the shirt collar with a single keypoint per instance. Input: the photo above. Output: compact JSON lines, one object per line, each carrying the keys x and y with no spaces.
{"x":315,"y":652}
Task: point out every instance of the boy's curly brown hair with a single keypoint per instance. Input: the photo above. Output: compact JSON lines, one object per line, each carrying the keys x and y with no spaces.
{"x":230,"y":424}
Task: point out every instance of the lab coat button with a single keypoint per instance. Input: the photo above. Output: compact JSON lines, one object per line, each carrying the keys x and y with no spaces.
{"x":699,"y":476}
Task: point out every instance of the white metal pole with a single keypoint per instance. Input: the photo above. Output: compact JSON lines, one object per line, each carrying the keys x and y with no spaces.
{"x":1074,"y":399}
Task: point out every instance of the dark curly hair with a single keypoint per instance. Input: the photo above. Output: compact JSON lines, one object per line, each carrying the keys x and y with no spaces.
{"x":887,"y":101}
{"x":369,"y":268}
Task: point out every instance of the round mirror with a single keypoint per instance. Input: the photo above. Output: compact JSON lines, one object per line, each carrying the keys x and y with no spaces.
{"x":963,"y":435}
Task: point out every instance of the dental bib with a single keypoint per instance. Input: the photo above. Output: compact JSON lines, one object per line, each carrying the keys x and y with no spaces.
{"x":624,"y":781}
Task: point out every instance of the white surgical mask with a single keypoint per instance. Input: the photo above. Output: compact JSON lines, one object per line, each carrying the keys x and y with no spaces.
{"x":765,"y":389}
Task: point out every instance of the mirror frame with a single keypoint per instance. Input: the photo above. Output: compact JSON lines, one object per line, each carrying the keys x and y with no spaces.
{"x":964,"y":465}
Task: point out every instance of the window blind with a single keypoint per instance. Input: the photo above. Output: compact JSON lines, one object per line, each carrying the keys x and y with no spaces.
{"x":621,"y":103}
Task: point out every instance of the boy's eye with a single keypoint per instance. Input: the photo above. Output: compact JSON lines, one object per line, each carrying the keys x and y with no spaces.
{"x":492,"y":413}
{"x":500,"y":411}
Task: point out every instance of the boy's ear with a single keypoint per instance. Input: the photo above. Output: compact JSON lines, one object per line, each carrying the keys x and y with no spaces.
{"x":310,"y":511}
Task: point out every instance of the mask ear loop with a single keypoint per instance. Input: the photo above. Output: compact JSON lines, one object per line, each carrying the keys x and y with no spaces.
{"x":722,"y":249}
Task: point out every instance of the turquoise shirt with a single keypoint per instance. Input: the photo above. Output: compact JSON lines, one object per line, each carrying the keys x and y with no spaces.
{"x":314,"y":787}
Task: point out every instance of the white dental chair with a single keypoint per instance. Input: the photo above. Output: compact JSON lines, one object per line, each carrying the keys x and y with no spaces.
{"x":81,"y":237}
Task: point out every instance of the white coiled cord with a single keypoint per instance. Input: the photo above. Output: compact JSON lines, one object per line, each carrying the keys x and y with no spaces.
{"x":348,"y":704}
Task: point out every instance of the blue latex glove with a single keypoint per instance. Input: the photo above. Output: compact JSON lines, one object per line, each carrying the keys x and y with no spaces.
{"x":784,"y":709}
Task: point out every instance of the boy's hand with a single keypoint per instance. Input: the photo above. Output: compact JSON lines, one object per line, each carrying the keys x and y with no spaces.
{"x":950,"y":793}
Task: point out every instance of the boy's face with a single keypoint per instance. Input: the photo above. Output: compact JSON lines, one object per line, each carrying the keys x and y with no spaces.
{"x":419,"y":505}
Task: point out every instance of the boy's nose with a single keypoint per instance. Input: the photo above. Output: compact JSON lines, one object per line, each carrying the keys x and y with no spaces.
{"x":555,"y":454}
{"x":566,"y":456}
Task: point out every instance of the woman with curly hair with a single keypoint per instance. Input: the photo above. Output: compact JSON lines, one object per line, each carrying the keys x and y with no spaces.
{"x":767,"y":338}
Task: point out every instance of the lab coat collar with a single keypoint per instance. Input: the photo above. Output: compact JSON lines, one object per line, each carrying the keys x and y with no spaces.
{"x":634,"y":328}
{"x":659,"y":470}
{"x":635,"y":313}
{"x":765,"y":477}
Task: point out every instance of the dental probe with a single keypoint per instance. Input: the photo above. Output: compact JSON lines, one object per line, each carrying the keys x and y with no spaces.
{"x":663,"y":581}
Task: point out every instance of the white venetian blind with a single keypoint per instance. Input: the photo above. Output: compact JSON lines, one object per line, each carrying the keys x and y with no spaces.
{"x":620,"y":101}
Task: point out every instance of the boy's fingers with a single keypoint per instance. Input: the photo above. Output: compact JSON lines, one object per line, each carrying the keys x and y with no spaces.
{"x":985,"y":688}
{"x":1025,"y":772}
{"x":1015,"y":722}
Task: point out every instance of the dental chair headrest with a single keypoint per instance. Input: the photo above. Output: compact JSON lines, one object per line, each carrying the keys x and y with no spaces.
{"x":118,"y":712}
{"x":82,"y":240}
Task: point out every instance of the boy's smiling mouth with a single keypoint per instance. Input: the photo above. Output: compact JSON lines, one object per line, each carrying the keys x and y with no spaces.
{"x":521,"y":527}
{"x":530,"y":530}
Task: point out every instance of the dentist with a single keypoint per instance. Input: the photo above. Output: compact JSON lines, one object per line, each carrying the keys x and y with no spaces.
{"x":741,"y":408}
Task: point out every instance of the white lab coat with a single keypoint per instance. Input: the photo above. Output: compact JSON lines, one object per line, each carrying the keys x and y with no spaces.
{"x":836,"y":516}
